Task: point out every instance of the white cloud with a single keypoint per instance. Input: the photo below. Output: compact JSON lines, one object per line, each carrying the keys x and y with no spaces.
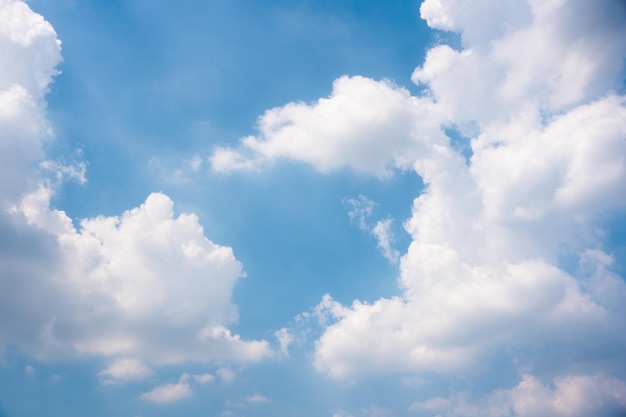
{"x":126,"y":369}
{"x":571,"y":396}
{"x":30,"y":53}
{"x":384,"y":237}
{"x":547,"y":137}
{"x":146,"y":285}
{"x":106,"y":269}
{"x":76,"y":171}
{"x":168,"y":393}
{"x":285,"y":339}
{"x":365,"y":125}
{"x":257,"y":398}
{"x":361,"y":209}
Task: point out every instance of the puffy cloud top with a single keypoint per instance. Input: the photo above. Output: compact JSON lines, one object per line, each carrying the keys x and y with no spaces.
{"x":146,"y":286}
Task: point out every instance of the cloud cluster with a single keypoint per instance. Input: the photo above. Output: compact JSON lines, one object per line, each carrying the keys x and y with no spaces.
{"x":143,"y":287}
{"x":547,"y":137}
{"x":535,"y":91}
{"x":571,"y":396}
{"x":365,"y":125}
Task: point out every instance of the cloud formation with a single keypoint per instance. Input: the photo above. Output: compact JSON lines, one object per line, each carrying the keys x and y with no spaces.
{"x":536,"y":91}
{"x":168,"y":393}
{"x":143,"y":287}
{"x":365,"y":125}
{"x":547,"y":137}
{"x":571,"y":396}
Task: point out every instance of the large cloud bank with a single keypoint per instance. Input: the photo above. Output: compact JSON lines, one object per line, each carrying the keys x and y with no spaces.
{"x":145,"y":286}
{"x":508,"y":256}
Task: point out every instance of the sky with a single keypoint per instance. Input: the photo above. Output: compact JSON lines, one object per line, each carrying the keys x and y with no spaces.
{"x":334,"y":208}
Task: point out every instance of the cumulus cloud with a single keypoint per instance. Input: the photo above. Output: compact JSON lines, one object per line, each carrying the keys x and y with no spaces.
{"x":145,"y":287}
{"x":482,"y":273}
{"x":145,"y":284}
{"x":364,"y":125}
{"x":31,"y":52}
{"x":535,"y":90}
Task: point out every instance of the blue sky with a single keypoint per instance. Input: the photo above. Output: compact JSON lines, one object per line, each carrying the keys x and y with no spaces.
{"x":312,"y":208}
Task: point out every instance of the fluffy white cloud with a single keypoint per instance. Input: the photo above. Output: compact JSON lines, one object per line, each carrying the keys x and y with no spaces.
{"x":365,"y":125}
{"x":546,"y":54}
{"x":568,"y":396}
{"x":482,"y":274}
{"x":30,"y":53}
{"x":145,"y":284}
{"x":143,"y":287}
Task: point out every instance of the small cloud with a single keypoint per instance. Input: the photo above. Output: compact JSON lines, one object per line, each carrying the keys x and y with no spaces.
{"x":204,"y":378}
{"x":169,"y":392}
{"x":126,"y":369}
{"x":384,"y":237}
{"x":195,"y":162}
{"x":76,"y":171}
{"x":285,"y":339}
{"x":226,"y":160}
{"x":361,"y":209}
{"x":226,"y":374}
{"x":257,"y":398}
{"x":29,"y":370}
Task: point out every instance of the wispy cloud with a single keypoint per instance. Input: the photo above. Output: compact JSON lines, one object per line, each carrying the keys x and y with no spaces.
{"x":168,"y":393}
{"x":360,"y":212}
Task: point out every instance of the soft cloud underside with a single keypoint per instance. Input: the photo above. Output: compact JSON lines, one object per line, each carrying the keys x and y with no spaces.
{"x":143,"y":286}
